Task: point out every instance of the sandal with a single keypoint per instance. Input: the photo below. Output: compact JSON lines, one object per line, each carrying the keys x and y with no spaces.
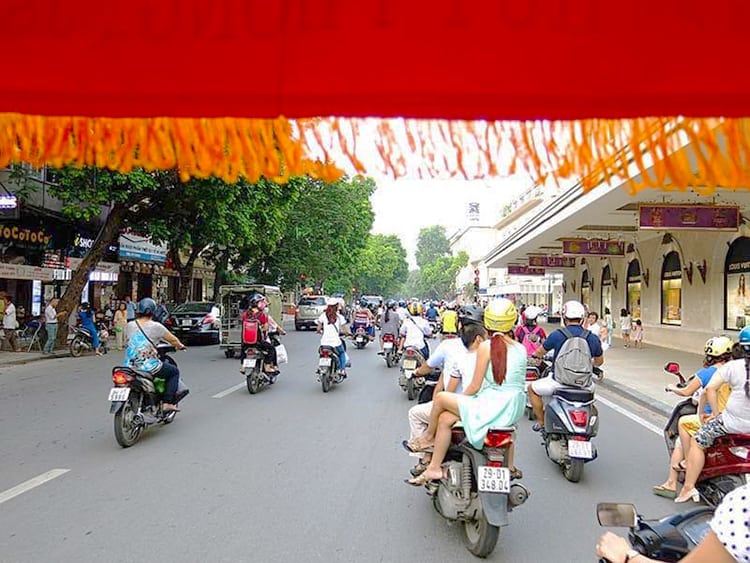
{"x":662,"y":491}
{"x":413,"y":447}
{"x":168,"y":407}
{"x":421,"y":480}
{"x":418,"y":469}
{"x":537,"y":427}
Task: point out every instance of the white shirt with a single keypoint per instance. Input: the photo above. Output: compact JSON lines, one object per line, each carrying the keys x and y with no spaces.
{"x":736,"y":415}
{"x":731,"y":523}
{"x":449,"y":357}
{"x":596,"y":330}
{"x":9,"y":320}
{"x":50,"y":315}
{"x":466,"y":367}
{"x":331,"y":331}
{"x":415,"y":329}
{"x":403,"y":314}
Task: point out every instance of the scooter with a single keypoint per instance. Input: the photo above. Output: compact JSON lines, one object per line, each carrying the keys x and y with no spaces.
{"x":727,"y":463}
{"x":256,"y":375}
{"x":390,"y":350}
{"x":666,"y":539}
{"x":82,"y":341}
{"x":408,"y":381}
{"x":328,"y":368}
{"x":361,"y":338}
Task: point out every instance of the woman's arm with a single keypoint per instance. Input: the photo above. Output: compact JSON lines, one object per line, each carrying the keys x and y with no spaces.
{"x":693,"y":385}
{"x":711,"y":391}
{"x":173,"y":340}
{"x":483,"y":360}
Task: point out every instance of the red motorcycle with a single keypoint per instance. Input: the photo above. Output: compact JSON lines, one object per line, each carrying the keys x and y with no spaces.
{"x":390,"y":350}
{"x":727,"y":461}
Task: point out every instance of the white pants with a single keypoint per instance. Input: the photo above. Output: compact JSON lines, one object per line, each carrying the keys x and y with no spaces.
{"x":419,"y":419}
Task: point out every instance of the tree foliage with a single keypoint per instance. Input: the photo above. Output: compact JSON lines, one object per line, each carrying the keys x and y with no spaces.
{"x":437,"y":280}
{"x":381,"y":267}
{"x":432,"y":244}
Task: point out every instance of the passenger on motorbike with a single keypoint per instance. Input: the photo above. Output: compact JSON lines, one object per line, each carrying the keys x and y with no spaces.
{"x":432,"y":313}
{"x":364,"y":318}
{"x":734,"y":419}
{"x":531,"y":335}
{"x":402,"y":311}
{"x":143,"y":335}
{"x":390,"y":323}
{"x":86,"y":317}
{"x":331,"y":324}
{"x":256,"y":312}
{"x":573,"y":315}
{"x":495,"y":397}
{"x":717,"y":352}
{"x":413,"y":331}
{"x":449,"y":320}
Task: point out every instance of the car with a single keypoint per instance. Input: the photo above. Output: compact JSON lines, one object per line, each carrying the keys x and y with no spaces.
{"x":373,"y":302}
{"x":195,"y":320}
{"x":309,"y":309}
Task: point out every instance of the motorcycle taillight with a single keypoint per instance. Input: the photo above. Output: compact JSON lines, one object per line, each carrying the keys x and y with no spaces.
{"x":532,"y":375}
{"x":410,"y":352}
{"x":325,"y":353}
{"x":498,"y":439}
{"x":579,"y":418}
{"x":120,"y":377}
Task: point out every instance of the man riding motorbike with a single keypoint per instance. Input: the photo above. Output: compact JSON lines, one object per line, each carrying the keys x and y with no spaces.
{"x":390,"y":322}
{"x":364,"y":318}
{"x":449,"y":320}
{"x":413,"y":331}
{"x":573,"y":315}
{"x":432,"y":313}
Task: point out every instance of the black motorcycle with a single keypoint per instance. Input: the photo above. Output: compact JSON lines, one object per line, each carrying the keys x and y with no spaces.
{"x":136,"y":399}
{"x":82,"y":340}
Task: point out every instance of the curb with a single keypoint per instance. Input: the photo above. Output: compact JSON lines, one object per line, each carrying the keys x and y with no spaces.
{"x":23,"y":361}
{"x":637,"y":397}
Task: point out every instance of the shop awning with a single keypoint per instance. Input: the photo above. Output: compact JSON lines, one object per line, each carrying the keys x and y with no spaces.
{"x":211,"y":87}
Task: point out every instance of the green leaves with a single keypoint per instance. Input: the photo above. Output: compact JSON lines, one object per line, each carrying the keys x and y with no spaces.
{"x":437,"y":272}
{"x":381,"y":266}
{"x":432,"y":244}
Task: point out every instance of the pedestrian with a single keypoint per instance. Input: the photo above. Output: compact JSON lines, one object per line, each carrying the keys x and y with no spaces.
{"x":609,"y":323}
{"x":10,"y":323}
{"x":87,"y":316}
{"x":121,"y":321}
{"x":129,"y":308}
{"x":626,"y":324}
{"x":108,"y":315}
{"x":50,"y":322}
{"x":638,"y":334}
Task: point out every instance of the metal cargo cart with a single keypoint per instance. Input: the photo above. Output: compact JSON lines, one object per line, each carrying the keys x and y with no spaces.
{"x":234,"y":300}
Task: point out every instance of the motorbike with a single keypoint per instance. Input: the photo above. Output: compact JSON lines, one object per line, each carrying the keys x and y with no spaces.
{"x":412,"y":358}
{"x":476,"y":489}
{"x":727,"y":463}
{"x":328,"y":368}
{"x":390,"y":350}
{"x":361,"y":338}
{"x":254,"y":363}
{"x":665,"y":539}
{"x":535,"y":369}
{"x":82,"y":341}
{"x":136,"y":399}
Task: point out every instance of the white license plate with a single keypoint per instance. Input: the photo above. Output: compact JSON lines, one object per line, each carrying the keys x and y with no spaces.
{"x":493,"y":479}
{"x":249,"y":363}
{"x":119,"y":394}
{"x":580,"y":449}
{"x":187,"y":322}
{"x":410,"y":364}
{"x":324,"y":362}
{"x":360,"y":338}
{"x":388,"y":345}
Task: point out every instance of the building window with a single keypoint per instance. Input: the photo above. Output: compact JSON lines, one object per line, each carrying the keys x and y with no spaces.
{"x":671,"y":290}
{"x":606,"y":290}
{"x":586,"y":290}
{"x":633,"y":296}
{"x":736,"y":274}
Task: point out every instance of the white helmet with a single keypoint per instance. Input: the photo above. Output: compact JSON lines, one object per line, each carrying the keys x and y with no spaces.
{"x":331,"y":301}
{"x":573,"y":310}
{"x":532,"y":312}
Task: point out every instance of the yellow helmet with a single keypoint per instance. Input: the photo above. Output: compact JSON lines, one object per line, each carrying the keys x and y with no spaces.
{"x":718,"y":346}
{"x":413,"y":309}
{"x":500,"y":315}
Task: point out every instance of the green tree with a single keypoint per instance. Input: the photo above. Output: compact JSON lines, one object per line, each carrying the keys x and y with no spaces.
{"x":381,"y":267}
{"x":437,"y":280}
{"x":432,"y":244}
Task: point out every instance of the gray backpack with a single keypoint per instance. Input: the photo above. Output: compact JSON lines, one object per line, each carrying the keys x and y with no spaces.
{"x":573,"y":365}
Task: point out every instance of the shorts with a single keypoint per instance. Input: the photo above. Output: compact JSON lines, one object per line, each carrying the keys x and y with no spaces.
{"x":709,"y":432}
{"x":690,"y":423}
{"x":546,"y":386}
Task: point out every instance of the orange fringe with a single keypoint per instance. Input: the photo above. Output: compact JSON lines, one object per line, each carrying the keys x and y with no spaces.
{"x":662,"y":153}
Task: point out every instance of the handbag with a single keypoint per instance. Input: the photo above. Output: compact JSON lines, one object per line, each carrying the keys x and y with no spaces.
{"x":281,"y":355}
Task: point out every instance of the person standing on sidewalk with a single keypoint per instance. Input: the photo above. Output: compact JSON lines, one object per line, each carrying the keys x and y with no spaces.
{"x":609,"y":323}
{"x":50,"y":323}
{"x":130,"y":308}
{"x":626,"y":324}
{"x":638,"y":334}
{"x":120,"y":322}
{"x":10,"y":323}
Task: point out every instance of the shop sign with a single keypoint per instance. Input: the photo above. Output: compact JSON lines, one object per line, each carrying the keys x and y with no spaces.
{"x":596,"y":247}
{"x":689,"y":217}
{"x":23,"y":272}
{"x":519,"y":270}
{"x":82,"y":244}
{"x":552,"y":261}
{"x":27,"y":236}
{"x":137,"y":247}
{"x":103,"y":267}
{"x":8,"y":206}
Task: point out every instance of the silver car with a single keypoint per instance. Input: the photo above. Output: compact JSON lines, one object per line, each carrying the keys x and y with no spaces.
{"x":309,"y":309}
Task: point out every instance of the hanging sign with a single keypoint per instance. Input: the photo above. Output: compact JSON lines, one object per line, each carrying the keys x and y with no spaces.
{"x":596,"y":247}
{"x":29,"y":237}
{"x":520,"y":270}
{"x":8,"y":206}
{"x":138,"y":247}
{"x":24,"y":272}
{"x":689,"y":217}
{"x":552,"y":261}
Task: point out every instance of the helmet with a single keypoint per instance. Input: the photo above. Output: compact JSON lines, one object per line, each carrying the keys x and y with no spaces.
{"x":573,"y":310}
{"x":390,"y":304}
{"x":500,"y":315}
{"x":451,"y":305}
{"x":471,"y":314}
{"x":363,"y":302}
{"x":745,"y":337}
{"x":146,"y":306}
{"x":718,"y":346}
{"x":414,"y":308}
{"x":402,"y":303}
{"x":532,"y":312}
{"x":332,"y":302}
{"x":255,"y":299}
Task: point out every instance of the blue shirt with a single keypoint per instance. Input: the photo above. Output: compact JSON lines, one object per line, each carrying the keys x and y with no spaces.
{"x":555,"y":341}
{"x":432,"y":314}
{"x":705,"y":375}
{"x":130,"y":310}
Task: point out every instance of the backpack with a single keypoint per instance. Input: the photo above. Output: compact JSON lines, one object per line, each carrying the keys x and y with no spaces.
{"x":573,"y":365}
{"x":531,"y":344}
{"x":250,"y":331}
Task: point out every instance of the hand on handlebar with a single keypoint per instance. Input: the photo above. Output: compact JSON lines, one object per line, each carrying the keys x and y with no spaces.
{"x":612,"y":547}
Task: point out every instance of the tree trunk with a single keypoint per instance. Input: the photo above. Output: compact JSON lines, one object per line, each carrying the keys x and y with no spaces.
{"x":220,"y":273}
{"x":71,"y":297}
{"x":186,"y":276}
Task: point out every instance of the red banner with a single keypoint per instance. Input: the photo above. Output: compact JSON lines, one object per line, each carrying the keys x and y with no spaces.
{"x":519,"y":270}
{"x":689,"y":217}
{"x":593,"y":247}
{"x":552,"y":262}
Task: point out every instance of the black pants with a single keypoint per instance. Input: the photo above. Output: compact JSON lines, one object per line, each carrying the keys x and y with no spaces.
{"x":171,"y":375}
{"x":266,"y":347}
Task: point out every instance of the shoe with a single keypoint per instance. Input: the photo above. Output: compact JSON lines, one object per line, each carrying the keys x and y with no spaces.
{"x":662,"y":491}
{"x":537,"y":427}
{"x":690,"y":495}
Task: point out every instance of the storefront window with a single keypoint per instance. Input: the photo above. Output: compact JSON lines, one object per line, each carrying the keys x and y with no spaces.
{"x":586,"y":290}
{"x":606,"y":290}
{"x":633,"y":297}
{"x":671,"y":290}
{"x":736,"y":274}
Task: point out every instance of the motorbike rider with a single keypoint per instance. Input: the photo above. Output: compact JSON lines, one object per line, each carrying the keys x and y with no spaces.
{"x":143,"y":335}
{"x":413,"y":332}
{"x":456,"y":364}
{"x":402,"y":311}
{"x":573,"y":315}
{"x":432,"y":313}
{"x":717,"y":351}
{"x":530,"y":334}
{"x":256,"y":312}
{"x":734,"y":419}
{"x":331,"y":324}
{"x":86,"y":317}
{"x":390,"y":323}
{"x":364,"y":318}
{"x":449,"y":320}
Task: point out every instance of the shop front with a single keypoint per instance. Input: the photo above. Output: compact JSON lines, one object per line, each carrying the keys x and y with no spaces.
{"x":141,"y":266}
{"x":736,"y":277}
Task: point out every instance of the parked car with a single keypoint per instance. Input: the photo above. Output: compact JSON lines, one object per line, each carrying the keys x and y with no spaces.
{"x":309,"y":308}
{"x":195,"y":320}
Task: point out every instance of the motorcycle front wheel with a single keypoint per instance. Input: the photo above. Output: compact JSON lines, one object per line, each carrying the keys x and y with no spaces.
{"x":480,"y":537}
{"x":127,"y":432}
{"x":76,"y":346}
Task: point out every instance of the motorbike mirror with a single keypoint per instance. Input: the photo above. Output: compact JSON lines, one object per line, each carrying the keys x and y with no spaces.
{"x":616,"y":515}
{"x":672,"y":367}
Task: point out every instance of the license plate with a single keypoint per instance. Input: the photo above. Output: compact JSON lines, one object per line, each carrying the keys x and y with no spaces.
{"x":249,"y":363}
{"x":324,"y":362}
{"x":410,"y":364}
{"x":388,"y":345}
{"x":187,"y":322}
{"x":119,"y":394}
{"x":580,"y":449}
{"x":360,"y":339}
{"x":493,"y":479}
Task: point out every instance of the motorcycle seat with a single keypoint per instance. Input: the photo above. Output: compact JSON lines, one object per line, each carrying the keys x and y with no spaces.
{"x":85,"y":331}
{"x":575,"y":395}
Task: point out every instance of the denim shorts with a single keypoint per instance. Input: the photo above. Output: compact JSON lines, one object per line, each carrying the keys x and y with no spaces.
{"x":709,"y":432}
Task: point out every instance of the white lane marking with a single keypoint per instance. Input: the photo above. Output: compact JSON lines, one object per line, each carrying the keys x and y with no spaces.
{"x":31,"y":483}
{"x":228,"y":391}
{"x":635,"y":418}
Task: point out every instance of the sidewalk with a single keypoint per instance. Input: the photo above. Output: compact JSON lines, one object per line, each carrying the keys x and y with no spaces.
{"x":19,"y":358}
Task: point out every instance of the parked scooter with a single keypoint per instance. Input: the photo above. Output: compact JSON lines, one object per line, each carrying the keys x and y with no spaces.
{"x":666,"y":539}
{"x":412,"y":358}
{"x":390,"y":350}
{"x":136,"y":399}
{"x":83,"y":342}
{"x":477,"y":490}
{"x":328,"y":368}
{"x":727,"y":463}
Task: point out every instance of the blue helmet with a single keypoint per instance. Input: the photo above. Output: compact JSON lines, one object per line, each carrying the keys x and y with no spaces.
{"x":745,"y":337}
{"x":146,"y":306}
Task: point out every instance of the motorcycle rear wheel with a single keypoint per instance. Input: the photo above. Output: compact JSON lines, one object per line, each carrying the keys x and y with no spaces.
{"x":480,"y":537}
{"x":388,"y":361}
{"x":574,"y":470}
{"x":411,"y":391}
{"x":76,"y":347}
{"x":325,"y":381}
{"x":127,"y":432}
{"x":253,"y":382}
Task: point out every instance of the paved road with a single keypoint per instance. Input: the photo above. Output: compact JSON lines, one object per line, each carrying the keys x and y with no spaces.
{"x":290,"y":474}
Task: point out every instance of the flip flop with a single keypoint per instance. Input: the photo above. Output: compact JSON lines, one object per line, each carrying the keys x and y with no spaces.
{"x":537,"y":427}
{"x":418,"y":469}
{"x":662,"y":491}
{"x":413,"y":449}
{"x":421,"y":480}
